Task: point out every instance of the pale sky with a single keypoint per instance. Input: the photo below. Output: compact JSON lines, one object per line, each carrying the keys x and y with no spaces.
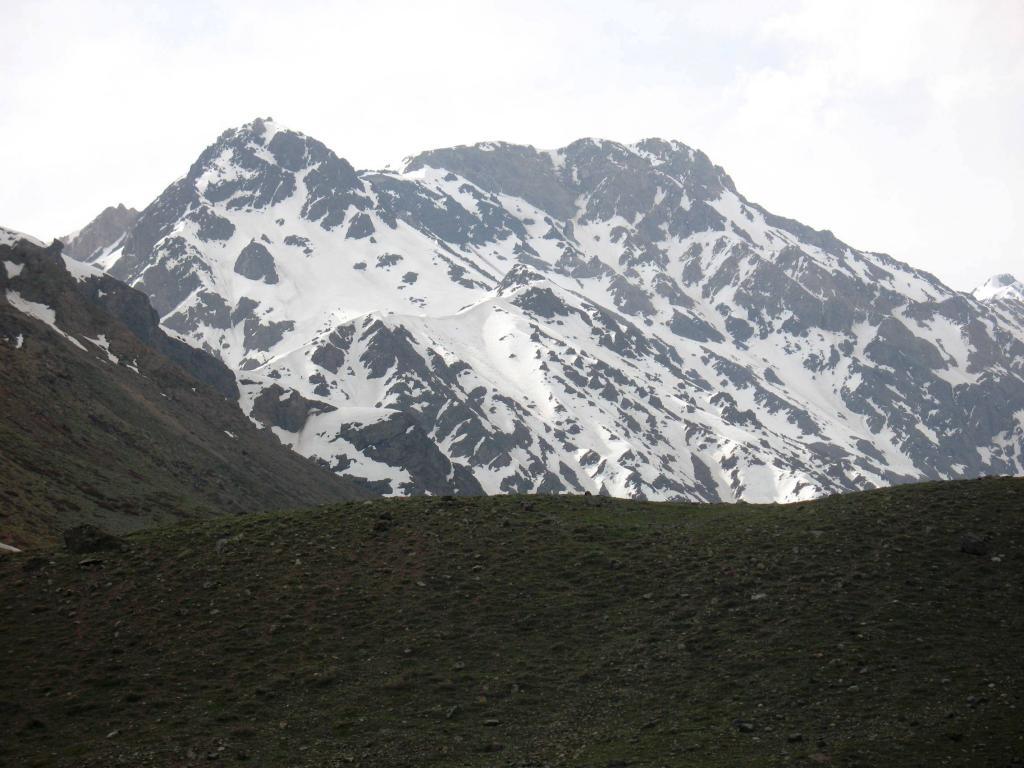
{"x":897,"y":124}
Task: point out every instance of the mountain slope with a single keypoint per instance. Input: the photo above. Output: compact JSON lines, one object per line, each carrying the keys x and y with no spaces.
{"x":546,"y":631}
{"x":603,"y":317}
{"x":108,"y":420}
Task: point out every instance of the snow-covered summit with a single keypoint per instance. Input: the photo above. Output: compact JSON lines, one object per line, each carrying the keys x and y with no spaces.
{"x":999,"y":287}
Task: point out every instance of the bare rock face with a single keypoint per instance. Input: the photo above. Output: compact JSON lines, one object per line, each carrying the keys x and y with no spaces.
{"x":256,"y":263}
{"x":100,"y":233}
{"x":289,"y":411}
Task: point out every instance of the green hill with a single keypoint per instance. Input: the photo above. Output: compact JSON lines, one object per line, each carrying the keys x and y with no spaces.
{"x":540,"y":631}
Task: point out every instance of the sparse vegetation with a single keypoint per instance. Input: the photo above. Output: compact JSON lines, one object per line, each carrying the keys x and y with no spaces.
{"x":531,"y":631}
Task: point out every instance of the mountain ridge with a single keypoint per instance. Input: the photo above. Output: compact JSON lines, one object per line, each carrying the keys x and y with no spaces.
{"x":700,"y":346}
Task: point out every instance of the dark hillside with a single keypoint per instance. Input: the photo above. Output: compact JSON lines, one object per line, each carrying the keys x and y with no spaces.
{"x":532,"y":631}
{"x":107,"y":420}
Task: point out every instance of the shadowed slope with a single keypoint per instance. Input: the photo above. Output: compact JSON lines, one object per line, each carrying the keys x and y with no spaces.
{"x":107,"y":420}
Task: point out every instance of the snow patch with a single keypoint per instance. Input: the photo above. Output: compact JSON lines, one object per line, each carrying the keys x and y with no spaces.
{"x":40,"y":312}
{"x":80,"y":270}
{"x":11,"y":237}
{"x":101,"y":342}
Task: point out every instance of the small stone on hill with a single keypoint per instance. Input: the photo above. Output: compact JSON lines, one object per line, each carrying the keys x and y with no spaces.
{"x":972,"y":544}
{"x":88,"y":538}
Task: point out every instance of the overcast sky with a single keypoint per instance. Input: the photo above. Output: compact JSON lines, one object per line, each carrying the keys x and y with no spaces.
{"x":898,"y":125}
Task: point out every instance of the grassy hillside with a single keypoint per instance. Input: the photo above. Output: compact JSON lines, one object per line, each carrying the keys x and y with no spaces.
{"x":143,"y":432}
{"x":541,"y":631}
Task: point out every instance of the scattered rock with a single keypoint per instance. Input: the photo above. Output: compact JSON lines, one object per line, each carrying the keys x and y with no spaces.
{"x":744,"y":726}
{"x":972,"y":544}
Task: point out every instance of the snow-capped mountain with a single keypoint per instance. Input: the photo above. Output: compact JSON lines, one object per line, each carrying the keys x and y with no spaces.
{"x":598,"y":317}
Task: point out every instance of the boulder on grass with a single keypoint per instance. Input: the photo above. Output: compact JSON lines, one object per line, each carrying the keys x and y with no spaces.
{"x":83,"y":539}
{"x":972,"y":544}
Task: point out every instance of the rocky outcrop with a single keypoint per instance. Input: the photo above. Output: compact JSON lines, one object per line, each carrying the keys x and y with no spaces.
{"x":100,"y":233}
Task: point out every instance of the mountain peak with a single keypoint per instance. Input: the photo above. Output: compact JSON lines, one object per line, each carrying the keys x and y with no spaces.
{"x":100,"y":233}
{"x":1002,"y":286}
{"x":260,"y":128}
{"x":260,"y":145}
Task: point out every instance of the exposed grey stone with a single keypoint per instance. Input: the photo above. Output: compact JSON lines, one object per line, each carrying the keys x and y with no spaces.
{"x":400,"y":441}
{"x":211,"y":226}
{"x":360,"y":227}
{"x":290,"y":413}
{"x":263,"y":335}
{"x":257,"y":263}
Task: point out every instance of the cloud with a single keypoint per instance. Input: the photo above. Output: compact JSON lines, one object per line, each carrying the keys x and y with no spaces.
{"x":894,"y":124}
